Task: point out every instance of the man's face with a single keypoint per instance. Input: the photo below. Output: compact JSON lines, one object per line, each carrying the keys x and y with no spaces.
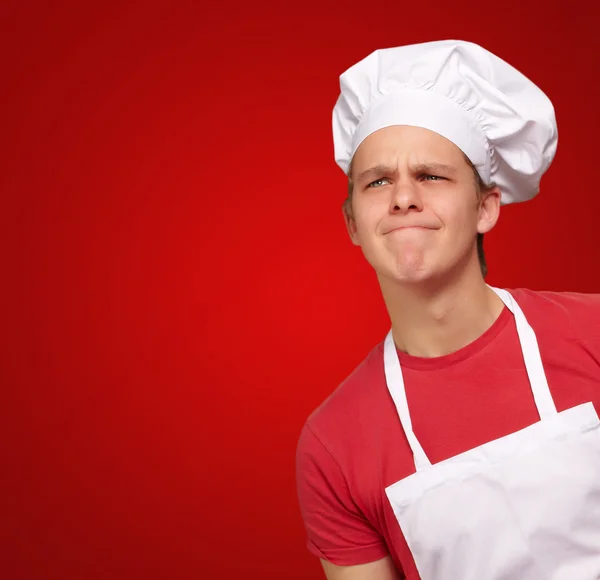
{"x":415,"y":208}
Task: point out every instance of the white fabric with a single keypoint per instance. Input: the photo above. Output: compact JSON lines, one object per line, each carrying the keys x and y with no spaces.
{"x":503,"y":122}
{"x":522,"y":507}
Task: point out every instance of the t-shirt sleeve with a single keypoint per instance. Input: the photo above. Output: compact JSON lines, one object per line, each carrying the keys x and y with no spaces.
{"x":337,"y":530}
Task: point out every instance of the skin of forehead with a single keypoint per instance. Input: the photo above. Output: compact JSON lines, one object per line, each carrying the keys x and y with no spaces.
{"x":422,"y":157}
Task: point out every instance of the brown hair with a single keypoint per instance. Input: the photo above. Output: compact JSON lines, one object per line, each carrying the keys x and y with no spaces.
{"x":480,"y":189}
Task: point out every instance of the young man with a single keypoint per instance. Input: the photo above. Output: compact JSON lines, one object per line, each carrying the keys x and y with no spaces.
{"x":466,"y":446}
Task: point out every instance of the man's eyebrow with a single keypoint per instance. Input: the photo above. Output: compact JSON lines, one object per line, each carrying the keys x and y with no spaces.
{"x":434,"y":168}
{"x":428,"y":168}
{"x":374,"y":172}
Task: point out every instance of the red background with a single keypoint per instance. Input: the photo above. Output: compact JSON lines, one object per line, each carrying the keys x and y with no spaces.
{"x":179,"y":292}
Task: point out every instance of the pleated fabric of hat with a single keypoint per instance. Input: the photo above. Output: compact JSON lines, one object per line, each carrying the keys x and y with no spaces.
{"x":501,"y":120}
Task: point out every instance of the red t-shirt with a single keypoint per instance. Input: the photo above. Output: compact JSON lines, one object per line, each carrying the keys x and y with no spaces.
{"x":353,"y":446}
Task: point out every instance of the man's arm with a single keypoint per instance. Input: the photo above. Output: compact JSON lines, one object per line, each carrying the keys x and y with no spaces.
{"x":338,"y":531}
{"x":383,"y":569}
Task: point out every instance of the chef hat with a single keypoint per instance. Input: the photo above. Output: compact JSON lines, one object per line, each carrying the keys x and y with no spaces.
{"x":501,"y":121}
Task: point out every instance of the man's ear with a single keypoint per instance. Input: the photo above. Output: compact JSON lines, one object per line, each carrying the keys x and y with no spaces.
{"x":350,"y":221}
{"x":489,"y":210}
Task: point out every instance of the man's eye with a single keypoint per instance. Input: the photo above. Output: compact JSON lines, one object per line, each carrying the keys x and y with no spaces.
{"x":427,"y":177}
{"x":377,"y":182}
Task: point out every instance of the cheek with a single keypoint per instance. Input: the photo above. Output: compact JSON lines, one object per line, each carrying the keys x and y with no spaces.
{"x":459,"y":220}
{"x":367,"y":217}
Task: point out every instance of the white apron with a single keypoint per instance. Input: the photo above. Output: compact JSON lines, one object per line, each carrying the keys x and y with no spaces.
{"x":523,"y":507}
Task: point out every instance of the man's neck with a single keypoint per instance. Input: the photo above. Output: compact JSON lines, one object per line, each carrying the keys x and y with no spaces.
{"x":435,"y":321}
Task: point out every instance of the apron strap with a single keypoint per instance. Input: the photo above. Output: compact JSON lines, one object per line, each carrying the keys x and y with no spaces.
{"x":395,"y":383}
{"x":531,"y":355}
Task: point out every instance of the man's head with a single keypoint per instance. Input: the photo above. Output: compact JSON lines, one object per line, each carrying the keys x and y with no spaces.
{"x":449,"y":103}
{"x":416,"y":205}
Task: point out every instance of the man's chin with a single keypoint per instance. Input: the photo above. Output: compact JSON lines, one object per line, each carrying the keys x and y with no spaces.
{"x":410,"y":275}
{"x":418,"y":277}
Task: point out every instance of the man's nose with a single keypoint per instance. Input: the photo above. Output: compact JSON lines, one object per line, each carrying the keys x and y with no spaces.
{"x":406,"y":197}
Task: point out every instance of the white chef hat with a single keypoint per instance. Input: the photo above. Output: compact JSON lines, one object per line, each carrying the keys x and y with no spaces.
{"x":501,"y":121}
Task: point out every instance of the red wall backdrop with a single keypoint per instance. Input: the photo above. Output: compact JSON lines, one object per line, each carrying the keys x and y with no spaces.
{"x":178,"y":289}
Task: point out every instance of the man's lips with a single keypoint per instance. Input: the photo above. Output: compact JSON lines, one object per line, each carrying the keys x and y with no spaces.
{"x":409,"y":227}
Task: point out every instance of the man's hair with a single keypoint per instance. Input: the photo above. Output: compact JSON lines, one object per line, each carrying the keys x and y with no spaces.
{"x":480,"y":188}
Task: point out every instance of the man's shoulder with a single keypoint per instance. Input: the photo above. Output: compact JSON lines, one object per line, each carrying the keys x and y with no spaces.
{"x":574,"y":303}
{"x":354,"y":400}
{"x":575,"y":311}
